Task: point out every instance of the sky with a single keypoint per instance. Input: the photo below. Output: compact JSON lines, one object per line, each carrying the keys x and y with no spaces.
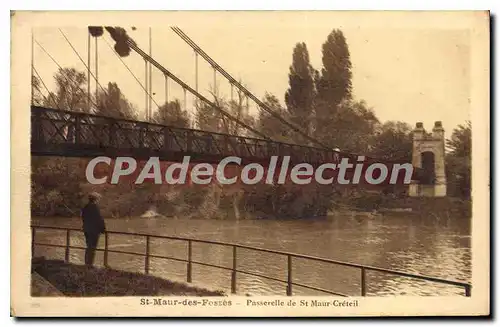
{"x":410,"y":74}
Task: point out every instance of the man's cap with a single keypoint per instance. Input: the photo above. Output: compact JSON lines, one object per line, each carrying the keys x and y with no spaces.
{"x":94,"y":196}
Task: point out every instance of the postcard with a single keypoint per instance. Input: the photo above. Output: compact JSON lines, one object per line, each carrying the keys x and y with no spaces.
{"x":250,"y":164}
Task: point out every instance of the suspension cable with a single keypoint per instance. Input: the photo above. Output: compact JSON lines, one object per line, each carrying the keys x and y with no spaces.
{"x":234,"y":82}
{"x":41,"y":93}
{"x":131,"y":72}
{"x":166,"y":72}
{"x":83,"y":62}
{"x":62,"y":69}
{"x":46,"y":88}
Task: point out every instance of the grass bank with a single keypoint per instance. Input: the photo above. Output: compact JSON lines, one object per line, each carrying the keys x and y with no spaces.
{"x":79,"y":280}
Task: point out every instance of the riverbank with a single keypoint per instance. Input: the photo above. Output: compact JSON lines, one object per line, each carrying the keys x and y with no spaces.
{"x":81,"y":281}
{"x":424,"y":207}
{"x":265,"y":203}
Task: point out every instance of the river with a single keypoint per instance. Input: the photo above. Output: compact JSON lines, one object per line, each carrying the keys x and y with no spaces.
{"x":400,"y":241}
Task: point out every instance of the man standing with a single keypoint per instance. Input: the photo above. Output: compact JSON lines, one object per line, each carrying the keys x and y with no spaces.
{"x":93,"y":226}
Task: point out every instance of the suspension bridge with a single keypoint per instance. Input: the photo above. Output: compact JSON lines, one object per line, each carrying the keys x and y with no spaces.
{"x":62,"y":132}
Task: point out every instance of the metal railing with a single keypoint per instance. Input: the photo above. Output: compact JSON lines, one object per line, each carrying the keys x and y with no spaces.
{"x":363,"y":269}
{"x":88,"y":131}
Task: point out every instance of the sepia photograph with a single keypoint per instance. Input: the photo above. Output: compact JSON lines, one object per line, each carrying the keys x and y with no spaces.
{"x":250,"y":163}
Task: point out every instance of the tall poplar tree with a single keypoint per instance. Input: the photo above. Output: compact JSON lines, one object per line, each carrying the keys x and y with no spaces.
{"x":333,"y":84}
{"x":299,"y":97}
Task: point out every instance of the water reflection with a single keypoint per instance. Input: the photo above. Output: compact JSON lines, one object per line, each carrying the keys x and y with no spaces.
{"x":395,"y":242}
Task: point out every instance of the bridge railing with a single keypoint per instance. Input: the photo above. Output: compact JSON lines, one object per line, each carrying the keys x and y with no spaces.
{"x":288,"y":280}
{"x":66,"y":133}
{"x":59,"y":127}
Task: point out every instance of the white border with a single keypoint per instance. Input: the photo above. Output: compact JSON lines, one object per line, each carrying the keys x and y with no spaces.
{"x":185,"y":5}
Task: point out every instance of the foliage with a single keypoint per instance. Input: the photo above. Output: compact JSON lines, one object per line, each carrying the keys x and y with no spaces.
{"x":269,"y":125}
{"x":38,"y":97}
{"x":207,"y":118}
{"x":334,"y":84}
{"x":300,"y":95}
{"x":351,"y":127}
{"x":71,"y":91}
{"x":393,"y":142}
{"x":55,"y":185}
{"x":210,"y":119}
{"x":171,"y":114}
{"x":238,"y":108}
{"x":460,"y":141}
{"x":333,"y":88}
{"x":112,"y":103}
{"x":459,"y":161}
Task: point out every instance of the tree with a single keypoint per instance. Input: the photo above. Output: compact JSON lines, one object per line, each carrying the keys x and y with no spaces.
{"x":299,"y":97}
{"x":460,"y":141}
{"x":70,"y":93}
{"x":171,"y":114}
{"x":351,"y":127}
{"x":113,"y":103}
{"x":208,"y":118}
{"x":333,"y":85}
{"x":459,"y":162}
{"x":238,"y":108}
{"x":37,"y":92}
{"x":269,"y":125}
{"x":56,"y":185}
{"x":394,"y":142}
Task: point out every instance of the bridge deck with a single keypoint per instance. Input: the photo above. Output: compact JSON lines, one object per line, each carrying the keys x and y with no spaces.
{"x":75,"y":134}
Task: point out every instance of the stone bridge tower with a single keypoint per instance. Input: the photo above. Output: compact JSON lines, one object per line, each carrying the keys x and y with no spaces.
{"x":428,"y":153}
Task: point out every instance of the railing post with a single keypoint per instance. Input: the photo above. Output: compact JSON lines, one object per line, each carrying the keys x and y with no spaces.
{"x":225,"y":144}
{"x":66,"y":253}
{"x":77,"y":129}
{"x":363,"y":282}
{"x":189,"y":264}
{"x":33,"y":242}
{"x":36,"y":127}
{"x":233,"y":272}
{"x":467,"y":290}
{"x":105,"y":249}
{"x":111,"y":133}
{"x":189,"y":141}
{"x":141,"y":135}
{"x":166,"y":139}
{"x":210,"y":143}
{"x":146,"y":259}
{"x":289,"y":283}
